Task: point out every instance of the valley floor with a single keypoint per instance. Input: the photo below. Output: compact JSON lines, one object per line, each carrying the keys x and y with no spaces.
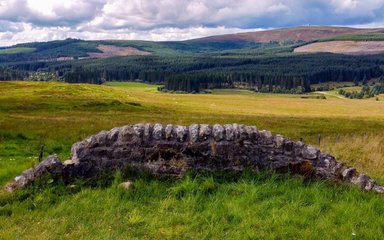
{"x":197,"y":207}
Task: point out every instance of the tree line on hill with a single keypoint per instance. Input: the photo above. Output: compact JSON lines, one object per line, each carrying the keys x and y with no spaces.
{"x":194,"y":73}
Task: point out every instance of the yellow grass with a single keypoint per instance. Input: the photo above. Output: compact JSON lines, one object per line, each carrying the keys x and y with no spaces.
{"x":363,"y":151}
{"x":60,"y":111}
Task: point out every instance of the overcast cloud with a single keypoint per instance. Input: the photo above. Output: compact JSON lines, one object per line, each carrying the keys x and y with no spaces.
{"x":40,"y":20}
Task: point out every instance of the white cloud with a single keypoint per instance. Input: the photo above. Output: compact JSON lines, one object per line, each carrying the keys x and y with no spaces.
{"x":159,"y":34}
{"x":50,"y":12}
{"x":357,"y":7}
{"x":144,"y":14}
{"x":28,"y":20}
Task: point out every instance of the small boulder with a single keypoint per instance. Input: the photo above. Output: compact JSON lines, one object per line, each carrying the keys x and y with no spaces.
{"x":157,"y":131}
{"x":218,"y":132}
{"x":68,"y":162}
{"x":194,"y":132}
{"x":348,"y":173}
{"x":126,"y":185}
{"x":309,"y":152}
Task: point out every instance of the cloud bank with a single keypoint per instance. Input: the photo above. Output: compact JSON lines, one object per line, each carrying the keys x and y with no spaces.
{"x":40,"y":20}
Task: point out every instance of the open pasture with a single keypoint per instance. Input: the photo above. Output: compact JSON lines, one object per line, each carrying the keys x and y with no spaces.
{"x":199,"y":206}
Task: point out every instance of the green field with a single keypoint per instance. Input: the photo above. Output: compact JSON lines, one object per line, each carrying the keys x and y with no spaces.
{"x":246,"y":206}
{"x":15,"y":50}
{"x":356,"y":37}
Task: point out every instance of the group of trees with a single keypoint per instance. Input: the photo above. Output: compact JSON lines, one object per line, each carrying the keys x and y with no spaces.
{"x":193,"y":73}
{"x":366,"y":91}
{"x":10,"y":74}
{"x":197,"y":81}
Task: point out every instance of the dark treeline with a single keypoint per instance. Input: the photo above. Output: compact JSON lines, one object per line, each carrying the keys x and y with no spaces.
{"x":49,"y":51}
{"x":291,"y":74}
{"x":10,"y":74}
{"x":195,"y":82}
{"x":192,"y":73}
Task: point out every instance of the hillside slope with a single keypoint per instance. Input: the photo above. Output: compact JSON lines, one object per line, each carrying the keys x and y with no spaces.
{"x":344,"y":47}
{"x":297,"y":34}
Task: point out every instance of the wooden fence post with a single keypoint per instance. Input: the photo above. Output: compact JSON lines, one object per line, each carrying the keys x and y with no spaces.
{"x":41,"y":152}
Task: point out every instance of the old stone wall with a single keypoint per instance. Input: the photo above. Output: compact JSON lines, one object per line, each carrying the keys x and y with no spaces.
{"x":173,"y":150}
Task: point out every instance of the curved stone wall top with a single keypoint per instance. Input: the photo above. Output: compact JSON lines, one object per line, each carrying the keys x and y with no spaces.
{"x":173,"y":149}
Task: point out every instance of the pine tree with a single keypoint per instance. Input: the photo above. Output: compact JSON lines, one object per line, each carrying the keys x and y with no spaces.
{"x":356,"y":81}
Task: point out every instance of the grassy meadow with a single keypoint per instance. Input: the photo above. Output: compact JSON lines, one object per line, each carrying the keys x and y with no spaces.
{"x":15,"y":50}
{"x":199,"y":206}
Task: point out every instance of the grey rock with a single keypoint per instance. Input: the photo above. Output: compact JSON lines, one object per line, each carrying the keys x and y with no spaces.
{"x":229,"y":132}
{"x":76,"y":150}
{"x":68,"y":162}
{"x":251,"y":131}
{"x":139,"y":130}
{"x":266,"y":134}
{"x":113,"y":134}
{"x":218,"y":132}
{"x":309,"y":152}
{"x":52,"y":165}
{"x":378,"y":189}
{"x":205,"y":132}
{"x":266,"y":137}
{"x":157,"y":133}
{"x":181,"y":133}
{"x":126,"y":134}
{"x":364,"y":182}
{"x":128,"y":185}
{"x":279,"y":141}
{"x":147,"y":131}
{"x":349,"y":173}
{"x":236,"y":130}
{"x":168,"y":132}
{"x":194,"y":132}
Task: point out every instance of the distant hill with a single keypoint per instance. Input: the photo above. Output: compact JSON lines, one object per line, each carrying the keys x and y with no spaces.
{"x":281,"y":60}
{"x":344,"y":47}
{"x":289,"y":38}
{"x":296,"y":34}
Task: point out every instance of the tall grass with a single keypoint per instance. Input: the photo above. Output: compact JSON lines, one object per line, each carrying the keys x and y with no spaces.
{"x":364,"y":151}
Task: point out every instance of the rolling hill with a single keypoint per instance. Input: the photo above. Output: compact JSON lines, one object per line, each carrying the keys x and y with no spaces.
{"x":344,"y":47}
{"x":281,"y":60}
{"x":270,"y":39}
{"x":298,"y":34}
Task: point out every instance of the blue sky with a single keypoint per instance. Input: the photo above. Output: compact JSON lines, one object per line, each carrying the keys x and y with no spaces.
{"x":41,"y":20}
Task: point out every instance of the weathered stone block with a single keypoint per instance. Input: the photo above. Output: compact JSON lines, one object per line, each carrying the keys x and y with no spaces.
{"x":194,"y":132}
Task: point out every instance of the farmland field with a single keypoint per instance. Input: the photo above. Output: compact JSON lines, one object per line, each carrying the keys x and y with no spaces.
{"x":235,"y":207}
{"x":15,"y":50}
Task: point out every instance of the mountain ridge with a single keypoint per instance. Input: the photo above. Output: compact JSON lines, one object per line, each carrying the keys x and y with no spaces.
{"x":301,"y":33}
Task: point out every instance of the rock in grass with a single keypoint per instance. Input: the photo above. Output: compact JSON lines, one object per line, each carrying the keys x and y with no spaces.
{"x":126,"y":185}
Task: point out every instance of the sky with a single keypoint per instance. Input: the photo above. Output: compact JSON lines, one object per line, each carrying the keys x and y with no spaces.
{"x":159,"y":20}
